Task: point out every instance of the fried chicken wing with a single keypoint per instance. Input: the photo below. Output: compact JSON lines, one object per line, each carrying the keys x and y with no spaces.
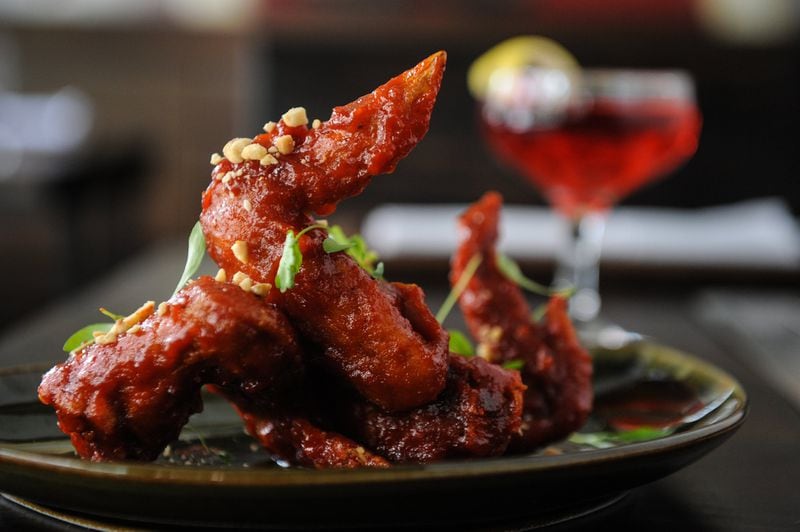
{"x":298,"y":441}
{"x":475,"y":416}
{"x":130,"y":397}
{"x":557,"y":370}
{"x":385,"y":342}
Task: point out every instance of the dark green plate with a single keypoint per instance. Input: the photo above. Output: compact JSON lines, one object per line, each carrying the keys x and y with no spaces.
{"x":216,"y":476}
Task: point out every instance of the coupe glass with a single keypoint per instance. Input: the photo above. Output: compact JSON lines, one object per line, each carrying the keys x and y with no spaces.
{"x":586,"y":139}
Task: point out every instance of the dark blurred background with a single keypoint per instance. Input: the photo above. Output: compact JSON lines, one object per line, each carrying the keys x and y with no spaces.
{"x":110,"y":109}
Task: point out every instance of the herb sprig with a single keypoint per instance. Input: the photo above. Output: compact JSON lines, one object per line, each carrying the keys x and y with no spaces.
{"x":511,"y":270}
{"x":292,"y":257}
{"x":85,"y":335}
{"x":459,"y":287}
{"x":605,"y":440}
{"x":194,"y":257}
{"x":356,"y":247}
{"x":460,"y":344}
{"x":336,"y":241}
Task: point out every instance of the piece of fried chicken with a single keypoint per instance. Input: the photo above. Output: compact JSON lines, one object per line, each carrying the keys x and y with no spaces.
{"x":557,"y":369}
{"x":386,"y":343}
{"x":128,"y":397}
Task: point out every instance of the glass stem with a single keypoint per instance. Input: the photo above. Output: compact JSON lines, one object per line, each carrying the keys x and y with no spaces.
{"x":578,"y":265}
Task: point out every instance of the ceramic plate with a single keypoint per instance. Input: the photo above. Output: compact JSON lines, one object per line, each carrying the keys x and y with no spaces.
{"x":656,"y":411}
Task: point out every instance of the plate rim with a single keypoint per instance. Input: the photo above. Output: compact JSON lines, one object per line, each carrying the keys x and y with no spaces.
{"x":12,"y":458}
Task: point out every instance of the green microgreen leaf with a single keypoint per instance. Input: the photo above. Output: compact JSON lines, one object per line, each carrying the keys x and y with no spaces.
{"x":512,"y":271}
{"x":377,"y":273}
{"x":290,"y":263}
{"x":85,"y":335}
{"x":106,"y":312}
{"x":292,"y":257}
{"x":459,"y":287}
{"x":604,"y":440}
{"x":331,"y":245}
{"x":460,"y":344}
{"x":197,"y":250}
{"x":514,"y":364}
{"x":539,"y":312}
{"x":356,"y":248}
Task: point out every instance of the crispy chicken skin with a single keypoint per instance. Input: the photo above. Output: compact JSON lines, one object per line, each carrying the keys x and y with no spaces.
{"x":476,"y":415}
{"x":130,"y":398}
{"x":389,"y":348}
{"x":557,"y":370}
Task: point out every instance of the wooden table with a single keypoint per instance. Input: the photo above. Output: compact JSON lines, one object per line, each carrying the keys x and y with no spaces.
{"x":749,"y":483}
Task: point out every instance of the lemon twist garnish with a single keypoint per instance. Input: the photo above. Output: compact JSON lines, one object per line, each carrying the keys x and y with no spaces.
{"x":525,"y":50}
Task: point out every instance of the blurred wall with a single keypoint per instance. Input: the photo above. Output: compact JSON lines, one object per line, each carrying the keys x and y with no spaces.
{"x":171,"y":81}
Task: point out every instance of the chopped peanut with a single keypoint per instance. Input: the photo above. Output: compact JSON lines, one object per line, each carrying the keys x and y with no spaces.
{"x":139,"y":314}
{"x":216,"y":158}
{"x":484,"y":351}
{"x":269,"y":127}
{"x":268,"y":160}
{"x":296,"y":116}
{"x":316,"y":123}
{"x":125,"y":324}
{"x":221,"y":276}
{"x":254,"y":152}
{"x":246,"y":284}
{"x":246,"y":205}
{"x":233,"y":149}
{"x":238,"y":277}
{"x":162,"y":309}
{"x":495,"y":333}
{"x":240,"y":251}
{"x":285,"y":144}
{"x":261,"y":289}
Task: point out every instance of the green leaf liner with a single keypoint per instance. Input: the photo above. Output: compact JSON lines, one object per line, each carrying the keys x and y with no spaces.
{"x":197,"y":250}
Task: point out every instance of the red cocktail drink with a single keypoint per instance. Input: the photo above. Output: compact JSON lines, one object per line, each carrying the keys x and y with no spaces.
{"x":586,"y":139}
{"x":595,"y":157}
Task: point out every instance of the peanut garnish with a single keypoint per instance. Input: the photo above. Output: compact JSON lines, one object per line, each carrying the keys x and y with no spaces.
{"x":221,"y":276}
{"x":125,"y":324}
{"x":233,"y":149}
{"x":296,"y":116}
{"x":269,"y":127}
{"x":285,"y":144}
{"x":240,"y":251}
{"x":216,"y":158}
{"x":268,"y":160}
{"x":254,"y":152}
{"x":261,"y":289}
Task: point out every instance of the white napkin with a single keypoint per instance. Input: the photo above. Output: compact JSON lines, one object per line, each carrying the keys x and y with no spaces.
{"x":758,"y":233}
